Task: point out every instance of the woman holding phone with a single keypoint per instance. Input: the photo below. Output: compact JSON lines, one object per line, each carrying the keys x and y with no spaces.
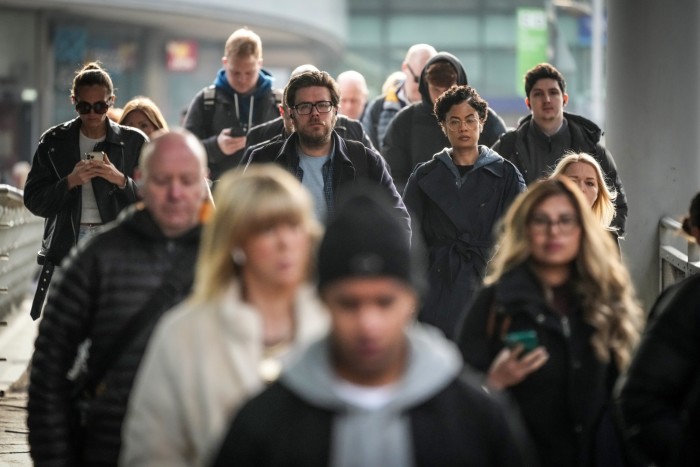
{"x":555,"y":324}
{"x":68,"y":184}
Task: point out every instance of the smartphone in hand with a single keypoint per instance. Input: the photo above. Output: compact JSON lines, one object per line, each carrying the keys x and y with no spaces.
{"x":95,"y":155}
{"x":237,"y":131}
{"x":528,"y":339}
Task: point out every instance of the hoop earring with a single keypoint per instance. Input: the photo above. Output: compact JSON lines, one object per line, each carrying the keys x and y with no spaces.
{"x":238,"y":257}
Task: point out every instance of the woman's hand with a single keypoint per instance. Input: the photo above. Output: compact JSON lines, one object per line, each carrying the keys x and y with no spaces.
{"x":82,"y":173}
{"x":109,"y":172}
{"x":510,"y":366}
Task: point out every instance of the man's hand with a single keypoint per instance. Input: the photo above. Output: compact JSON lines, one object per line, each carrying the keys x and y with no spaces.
{"x":510,"y":367}
{"x":230,"y":144}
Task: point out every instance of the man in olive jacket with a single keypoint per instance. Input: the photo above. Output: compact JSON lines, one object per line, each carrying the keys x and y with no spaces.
{"x":103,"y":283}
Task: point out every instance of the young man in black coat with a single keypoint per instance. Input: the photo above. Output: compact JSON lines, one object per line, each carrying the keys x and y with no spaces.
{"x":380,"y":389}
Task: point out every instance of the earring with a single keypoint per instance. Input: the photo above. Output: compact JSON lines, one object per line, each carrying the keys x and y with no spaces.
{"x":238,"y":257}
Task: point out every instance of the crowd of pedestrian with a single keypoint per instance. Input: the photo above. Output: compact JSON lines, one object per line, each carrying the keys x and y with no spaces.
{"x":397,"y":281}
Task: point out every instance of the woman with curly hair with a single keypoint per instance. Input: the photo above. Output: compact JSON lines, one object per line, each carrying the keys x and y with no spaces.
{"x":555,"y":323}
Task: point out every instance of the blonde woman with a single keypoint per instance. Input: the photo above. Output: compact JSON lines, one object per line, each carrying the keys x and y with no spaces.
{"x":250,"y":306}
{"x":142,"y":113}
{"x":586,"y":172}
{"x":555,"y":324}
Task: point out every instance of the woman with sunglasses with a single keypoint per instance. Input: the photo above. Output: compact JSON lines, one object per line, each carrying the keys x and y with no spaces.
{"x":81,"y":171}
{"x":455,"y":199}
{"x":555,"y":324}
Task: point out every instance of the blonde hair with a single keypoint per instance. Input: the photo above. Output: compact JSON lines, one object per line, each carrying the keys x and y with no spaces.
{"x":603,"y":206}
{"x":243,"y":43}
{"x":246,"y":204}
{"x":149,"y":109}
{"x":602,"y":280}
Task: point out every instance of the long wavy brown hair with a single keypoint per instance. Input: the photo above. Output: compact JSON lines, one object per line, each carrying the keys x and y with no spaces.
{"x":609,"y":301}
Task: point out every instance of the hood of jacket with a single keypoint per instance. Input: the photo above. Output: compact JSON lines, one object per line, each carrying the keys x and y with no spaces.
{"x":433,"y":363}
{"x":440,"y":57}
{"x":486,"y":157}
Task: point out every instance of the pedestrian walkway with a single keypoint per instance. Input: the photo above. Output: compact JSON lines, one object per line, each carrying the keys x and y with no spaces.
{"x":17,"y":335}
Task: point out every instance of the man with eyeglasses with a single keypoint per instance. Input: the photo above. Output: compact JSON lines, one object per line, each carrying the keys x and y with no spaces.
{"x":323,"y":161}
{"x":414,"y":136}
{"x":545,"y":135}
{"x":384,"y":108}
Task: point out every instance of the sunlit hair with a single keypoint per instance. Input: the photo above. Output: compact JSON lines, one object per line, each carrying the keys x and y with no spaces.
{"x":248,"y":203}
{"x":243,"y":43}
{"x":456,"y":95}
{"x":90,"y":75}
{"x":149,"y":109}
{"x":393,"y":81}
{"x":308,"y":79}
{"x":158,"y":136}
{"x":599,"y":276}
{"x":603,"y":206}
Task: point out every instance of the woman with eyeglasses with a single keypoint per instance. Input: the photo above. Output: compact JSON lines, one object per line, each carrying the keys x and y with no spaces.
{"x":455,"y":200}
{"x":81,"y":172}
{"x":555,"y":324}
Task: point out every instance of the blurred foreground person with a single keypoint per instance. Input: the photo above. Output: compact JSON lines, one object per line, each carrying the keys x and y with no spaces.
{"x":456,"y":199}
{"x":142,"y":113}
{"x":379,"y":390}
{"x":555,"y":325}
{"x":104,"y":304}
{"x":250,"y":306}
{"x":659,"y":399}
{"x":81,"y":175}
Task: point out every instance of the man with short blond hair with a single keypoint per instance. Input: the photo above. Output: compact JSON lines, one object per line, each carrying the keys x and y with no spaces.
{"x":241,"y":97}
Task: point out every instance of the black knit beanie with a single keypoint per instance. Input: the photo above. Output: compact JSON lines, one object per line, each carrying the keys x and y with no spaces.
{"x":366,"y":238}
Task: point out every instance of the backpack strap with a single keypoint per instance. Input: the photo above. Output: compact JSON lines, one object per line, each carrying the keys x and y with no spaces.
{"x":209,"y":103}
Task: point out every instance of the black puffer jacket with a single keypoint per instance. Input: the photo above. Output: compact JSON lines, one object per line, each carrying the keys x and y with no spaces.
{"x":660,"y":398}
{"x":566,"y":404}
{"x":105,"y":281}
{"x":46,"y":193}
{"x":414,"y":135}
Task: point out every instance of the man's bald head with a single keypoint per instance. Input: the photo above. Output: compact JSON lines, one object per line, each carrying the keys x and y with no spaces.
{"x":416,"y":58}
{"x":353,"y":94}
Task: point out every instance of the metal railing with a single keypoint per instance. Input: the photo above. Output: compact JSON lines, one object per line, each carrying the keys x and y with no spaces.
{"x":20,"y":239}
{"x":679,"y":255}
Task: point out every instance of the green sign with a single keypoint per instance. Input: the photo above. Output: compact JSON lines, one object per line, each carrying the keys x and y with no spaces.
{"x":532,"y":42}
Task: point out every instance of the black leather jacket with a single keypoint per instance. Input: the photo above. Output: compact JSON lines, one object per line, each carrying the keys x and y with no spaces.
{"x":46,"y":193}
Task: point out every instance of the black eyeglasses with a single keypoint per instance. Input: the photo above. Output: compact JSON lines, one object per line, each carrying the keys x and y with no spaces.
{"x":84,"y":108}
{"x":305,"y":108}
{"x":415,"y":77}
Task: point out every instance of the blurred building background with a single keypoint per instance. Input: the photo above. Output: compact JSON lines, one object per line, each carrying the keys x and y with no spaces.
{"x":168,"y":50}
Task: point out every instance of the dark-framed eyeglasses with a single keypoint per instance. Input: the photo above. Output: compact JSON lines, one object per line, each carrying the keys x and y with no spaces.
{"x":416,"y":78}
{"x":565,"y":224}
{"x":100,"y":107}
{"x":305,"y":108}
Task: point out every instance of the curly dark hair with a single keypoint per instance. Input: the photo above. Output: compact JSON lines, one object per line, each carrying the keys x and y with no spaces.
{"x":543,"y":71}
{"x":456,"y":95}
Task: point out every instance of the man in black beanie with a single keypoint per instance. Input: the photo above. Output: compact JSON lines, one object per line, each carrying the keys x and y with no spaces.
{"x":380,"y":389}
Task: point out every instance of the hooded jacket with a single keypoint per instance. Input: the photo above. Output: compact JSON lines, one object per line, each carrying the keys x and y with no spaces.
{"x":414,"y":135}
{"x":457,"y":215}
{"x":229,"y":109}
{"x":580,"y":135}
{"x":46,"y":193}
{"x":434,"y":417}
{"x":105,"y":282}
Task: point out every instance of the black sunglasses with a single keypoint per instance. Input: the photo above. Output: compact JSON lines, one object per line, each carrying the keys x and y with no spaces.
{"x":84,"y":108}
{"x":416,"y":78}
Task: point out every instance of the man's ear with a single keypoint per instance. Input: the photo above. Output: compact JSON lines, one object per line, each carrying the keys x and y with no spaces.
{"x":566,"y":98}
{"x":281,"y":108}
{"x":527,"y":102}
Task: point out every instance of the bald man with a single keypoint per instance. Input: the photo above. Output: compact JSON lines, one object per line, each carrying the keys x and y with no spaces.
{"x":140,"y":266}
{"x":353,"y":94}
{"x":384,"y":108}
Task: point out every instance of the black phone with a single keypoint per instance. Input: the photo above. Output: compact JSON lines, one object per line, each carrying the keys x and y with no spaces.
{"x":528,"y":339}
{"x":237,"y":131}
